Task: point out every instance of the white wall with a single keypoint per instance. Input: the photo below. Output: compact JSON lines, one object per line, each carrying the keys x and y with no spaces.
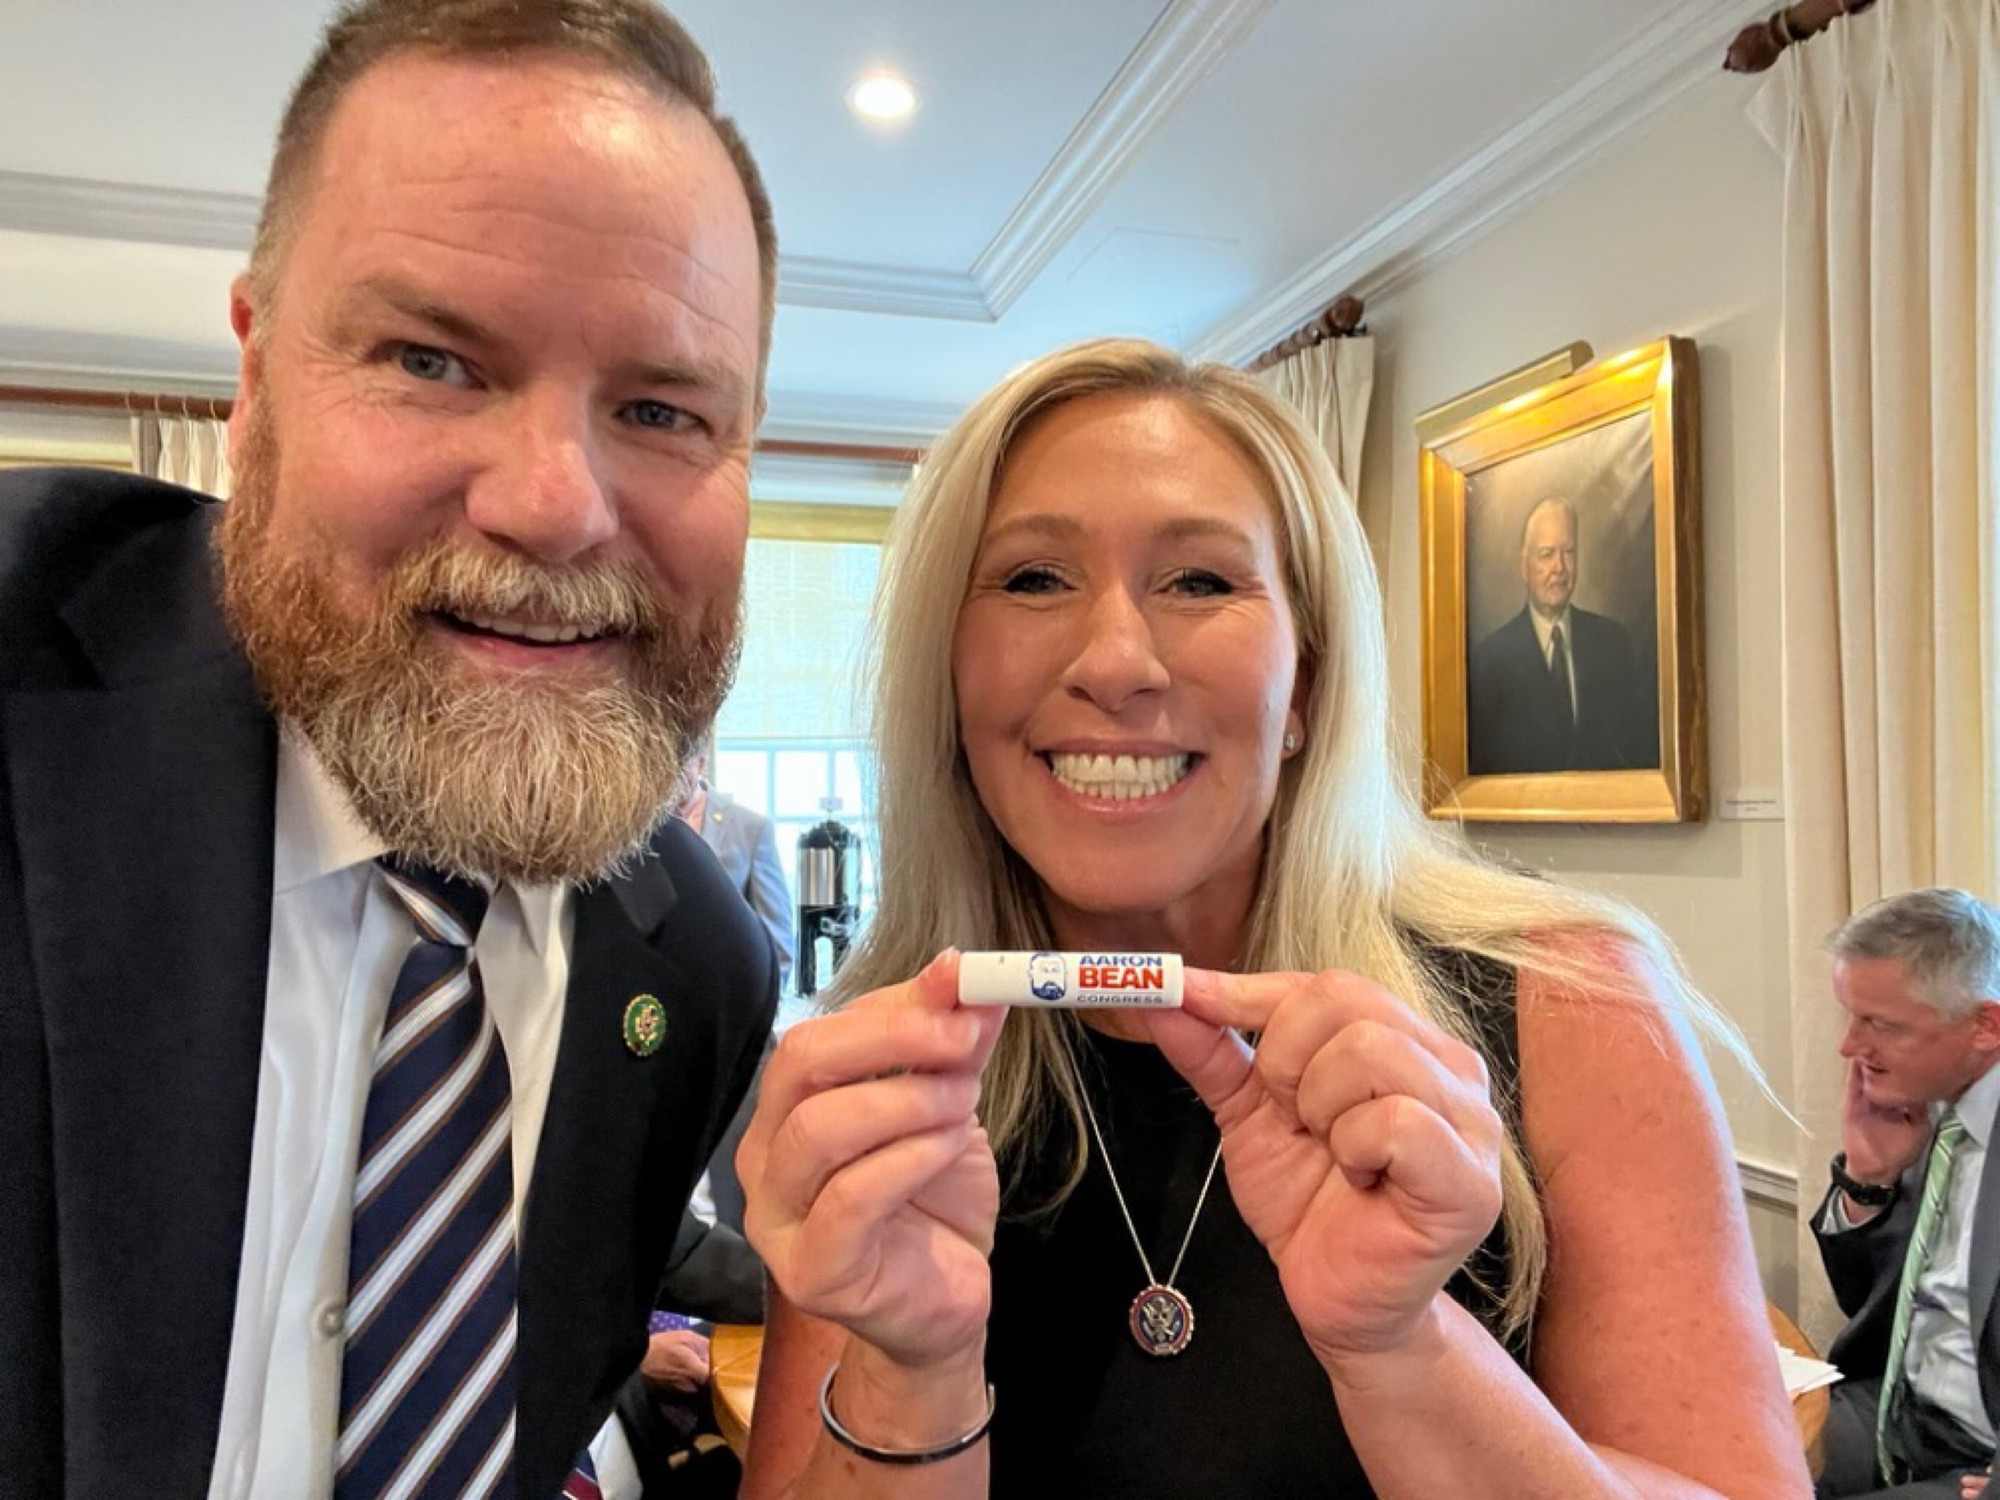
{"x":1675,"y":230}
{"x":47,"y":435}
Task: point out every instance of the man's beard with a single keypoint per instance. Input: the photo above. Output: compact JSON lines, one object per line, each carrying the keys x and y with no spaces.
{"x":541,"y":776}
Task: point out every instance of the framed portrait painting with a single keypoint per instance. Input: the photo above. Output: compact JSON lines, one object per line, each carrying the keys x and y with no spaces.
{"x":1562,"y":641}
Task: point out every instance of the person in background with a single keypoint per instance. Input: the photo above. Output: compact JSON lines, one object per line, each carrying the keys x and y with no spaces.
{"x":1464,"y":1222}
{"x":1907,"y":1230}
{"x":747,"y":844}
{"x":328,"y":916}
{"x":666,"y":1410}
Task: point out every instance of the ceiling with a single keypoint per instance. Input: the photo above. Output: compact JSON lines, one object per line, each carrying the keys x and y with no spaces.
{"x":1209,"y":173}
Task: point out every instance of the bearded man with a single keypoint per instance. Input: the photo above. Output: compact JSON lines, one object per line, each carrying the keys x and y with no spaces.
{"x":359,"y":1038}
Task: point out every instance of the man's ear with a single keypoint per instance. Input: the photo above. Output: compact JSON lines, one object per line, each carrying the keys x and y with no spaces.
{"x":243,"y":319}
{"x":1986,"y":1028}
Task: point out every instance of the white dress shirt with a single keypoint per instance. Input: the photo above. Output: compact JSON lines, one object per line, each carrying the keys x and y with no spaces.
{"x":1942,"y":1355}
{"x":338,"y":940}
{"x":1545,"y":630}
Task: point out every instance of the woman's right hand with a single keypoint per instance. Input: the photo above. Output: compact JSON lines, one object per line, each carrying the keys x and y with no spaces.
{"x":869,"y":1185}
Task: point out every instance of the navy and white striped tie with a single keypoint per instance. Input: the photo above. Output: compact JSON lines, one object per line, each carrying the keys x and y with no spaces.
{"x":427,"y":1382}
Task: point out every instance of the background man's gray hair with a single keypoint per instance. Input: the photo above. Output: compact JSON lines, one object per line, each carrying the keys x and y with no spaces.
{"x":1947,"y":940}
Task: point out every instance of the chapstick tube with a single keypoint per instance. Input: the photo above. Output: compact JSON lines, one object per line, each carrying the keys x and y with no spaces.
{"x":1070,"y":980}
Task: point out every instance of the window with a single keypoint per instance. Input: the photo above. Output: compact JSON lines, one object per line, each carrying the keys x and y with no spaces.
{"x":793,"y":733}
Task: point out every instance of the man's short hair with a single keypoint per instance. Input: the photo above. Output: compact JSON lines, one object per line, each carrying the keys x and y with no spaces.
{"x":634,"y":38}
{"x":1947,"y":940}
{"x":1528,"y":521}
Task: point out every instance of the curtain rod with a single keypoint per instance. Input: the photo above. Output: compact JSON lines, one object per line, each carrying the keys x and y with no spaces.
{"x":1758,"y":46}
{"x":215,"y":408}
{"x":1342,"y":319}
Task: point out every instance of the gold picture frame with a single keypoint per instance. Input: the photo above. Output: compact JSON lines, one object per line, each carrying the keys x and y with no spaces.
{"x":1562,"y":622}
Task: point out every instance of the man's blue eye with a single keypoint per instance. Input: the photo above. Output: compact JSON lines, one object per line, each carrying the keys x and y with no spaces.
{"x":659,"y":415}
{"x":422,"y":362}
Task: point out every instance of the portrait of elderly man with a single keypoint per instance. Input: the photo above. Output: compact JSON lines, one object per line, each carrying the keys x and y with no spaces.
{"x":1558,"y":687}
{"x":332,"y":915}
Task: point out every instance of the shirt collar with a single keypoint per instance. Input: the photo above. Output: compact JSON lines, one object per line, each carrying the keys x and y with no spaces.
{"x":320,"y":834}
{"x":1545,"y":628}
{"x":1978,"y":1104}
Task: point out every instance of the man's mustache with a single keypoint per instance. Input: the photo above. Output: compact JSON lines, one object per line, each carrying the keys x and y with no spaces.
{"x":601,"y":597}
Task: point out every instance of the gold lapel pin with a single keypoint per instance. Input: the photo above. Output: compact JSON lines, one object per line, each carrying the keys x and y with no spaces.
{"x":645,"y":1025}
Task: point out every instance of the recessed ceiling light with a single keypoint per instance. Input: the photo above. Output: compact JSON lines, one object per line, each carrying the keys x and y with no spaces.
{"x":882,"y":98}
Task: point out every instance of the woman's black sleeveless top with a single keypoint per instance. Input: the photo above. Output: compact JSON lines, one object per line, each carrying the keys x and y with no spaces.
{"x":1244,"y":1412}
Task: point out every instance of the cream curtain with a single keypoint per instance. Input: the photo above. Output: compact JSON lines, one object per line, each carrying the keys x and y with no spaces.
{"x":1888,"y":125}
{"x":1330,"y":384}
{"x":190,"y":451}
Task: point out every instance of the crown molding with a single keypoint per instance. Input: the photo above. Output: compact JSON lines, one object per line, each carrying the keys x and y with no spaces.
{"x":95,"y":361}
{"x":860,"y":286}
{"x":808,"y":417}
{"x":1180,"y":48}
{"x":1582,"y":123}
{"x":79,"y":207}
{"x":1177,"y":52}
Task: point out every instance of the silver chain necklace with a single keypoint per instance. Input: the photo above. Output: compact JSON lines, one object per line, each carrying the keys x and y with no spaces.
{"x":1162,"y":1318}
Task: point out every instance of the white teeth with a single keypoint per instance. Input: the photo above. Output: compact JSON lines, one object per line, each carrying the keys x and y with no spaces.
{"x":527,"y":630}
{"x":1119,"y":777}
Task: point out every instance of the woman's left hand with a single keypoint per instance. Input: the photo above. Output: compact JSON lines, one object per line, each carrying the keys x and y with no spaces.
{"x":1361,"y":1144}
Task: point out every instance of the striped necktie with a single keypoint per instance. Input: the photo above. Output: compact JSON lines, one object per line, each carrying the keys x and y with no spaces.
{"x":427,"y":1381}
{"x":1923,"y":1240}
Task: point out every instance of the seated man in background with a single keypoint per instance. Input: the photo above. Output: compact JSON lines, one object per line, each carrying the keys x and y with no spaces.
{"x":1910,"y":1230}
{"x":667,"y":1409}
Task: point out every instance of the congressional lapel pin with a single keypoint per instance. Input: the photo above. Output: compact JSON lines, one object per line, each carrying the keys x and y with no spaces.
{"x":645,"y":1025}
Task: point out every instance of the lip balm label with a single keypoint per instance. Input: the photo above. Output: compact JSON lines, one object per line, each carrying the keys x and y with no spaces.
{"x":1070,"y":980}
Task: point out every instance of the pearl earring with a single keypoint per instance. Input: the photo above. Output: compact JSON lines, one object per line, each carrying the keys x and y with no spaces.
{"x":1291,"y":742}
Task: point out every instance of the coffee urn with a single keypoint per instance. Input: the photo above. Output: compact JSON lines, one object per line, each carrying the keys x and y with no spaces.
{"x":829,"y":872}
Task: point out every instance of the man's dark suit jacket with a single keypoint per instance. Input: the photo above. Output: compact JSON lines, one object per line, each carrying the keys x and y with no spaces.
{"x":137,"y":773}
{"x":1517,"y":718}
{"x":1864,"y":1266}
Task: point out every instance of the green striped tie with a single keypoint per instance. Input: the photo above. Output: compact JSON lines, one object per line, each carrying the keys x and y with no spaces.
{"x":1937,"y":1189}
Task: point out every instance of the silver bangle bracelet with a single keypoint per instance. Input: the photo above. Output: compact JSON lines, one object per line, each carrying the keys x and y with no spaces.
{"x":903,"y":1456}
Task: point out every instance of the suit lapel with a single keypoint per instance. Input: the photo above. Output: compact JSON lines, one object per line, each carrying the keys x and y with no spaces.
{"x":1983,"y":1263}
{"x":584,"y":1288}
{"x":144,"y":819}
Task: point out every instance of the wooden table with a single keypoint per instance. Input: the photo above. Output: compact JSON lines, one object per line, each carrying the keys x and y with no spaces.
{"x":734,"y":1352}
{"x":1809,"y":1408}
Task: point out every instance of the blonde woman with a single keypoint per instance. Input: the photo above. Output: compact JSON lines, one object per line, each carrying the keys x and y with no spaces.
{"x":1475,"y":1229}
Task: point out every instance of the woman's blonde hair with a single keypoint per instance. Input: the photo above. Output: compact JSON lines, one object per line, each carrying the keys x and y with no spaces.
{"x":1353,"y":876}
